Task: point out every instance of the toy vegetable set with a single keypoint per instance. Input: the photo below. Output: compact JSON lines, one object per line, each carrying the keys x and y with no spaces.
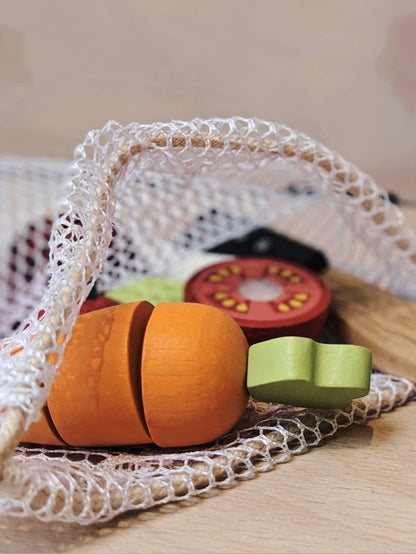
{"x":130,"y":397}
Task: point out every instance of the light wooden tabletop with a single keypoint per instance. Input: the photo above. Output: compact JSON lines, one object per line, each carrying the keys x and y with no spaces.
{"x":355,"y":493}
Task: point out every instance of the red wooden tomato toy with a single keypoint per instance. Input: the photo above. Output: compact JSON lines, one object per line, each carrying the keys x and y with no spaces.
{"x":267,"y":297}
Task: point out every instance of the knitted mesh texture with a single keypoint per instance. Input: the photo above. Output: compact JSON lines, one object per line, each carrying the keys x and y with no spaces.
{"x":136,"y":200}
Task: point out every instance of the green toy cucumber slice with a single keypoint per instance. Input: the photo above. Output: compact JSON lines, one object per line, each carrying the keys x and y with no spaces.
{"x":152,"y":289}
{"x":301,"y":372}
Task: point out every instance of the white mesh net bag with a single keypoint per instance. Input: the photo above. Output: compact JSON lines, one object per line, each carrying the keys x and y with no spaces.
{"x":137,"y":200}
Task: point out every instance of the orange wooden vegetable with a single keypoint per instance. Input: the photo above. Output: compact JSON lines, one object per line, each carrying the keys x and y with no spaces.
{"x":193,"y":374}
{"x":96,"y":398}
{"x":133,"y":374}
{"x":42,"y":431}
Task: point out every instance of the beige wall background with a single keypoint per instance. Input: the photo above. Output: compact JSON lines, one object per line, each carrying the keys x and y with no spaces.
{"x":342,"y":71}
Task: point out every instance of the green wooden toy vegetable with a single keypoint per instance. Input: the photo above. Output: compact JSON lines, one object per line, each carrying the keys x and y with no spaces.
{"x":302,"y":372}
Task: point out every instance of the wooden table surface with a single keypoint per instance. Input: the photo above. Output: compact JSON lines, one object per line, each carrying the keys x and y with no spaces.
{"x":355,"y":493}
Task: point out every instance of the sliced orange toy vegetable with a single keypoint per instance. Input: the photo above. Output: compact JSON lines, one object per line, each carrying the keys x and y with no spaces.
{"x":194,"y":364}
{"x":42,"y":432}
{"x":133,"y":374}
{"x":96,"y":400}
{"x":176,"y":375}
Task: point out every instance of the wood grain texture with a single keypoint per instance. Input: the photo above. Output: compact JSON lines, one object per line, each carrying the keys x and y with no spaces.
{"x":302,"y":372}
{"x":188,"y":398}
{"x":96,"y":400}
{"x":365,"y":315}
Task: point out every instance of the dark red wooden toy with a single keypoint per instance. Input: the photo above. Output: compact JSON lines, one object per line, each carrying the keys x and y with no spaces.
{"x":97,"y":303}
{"x":267,"y":297}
